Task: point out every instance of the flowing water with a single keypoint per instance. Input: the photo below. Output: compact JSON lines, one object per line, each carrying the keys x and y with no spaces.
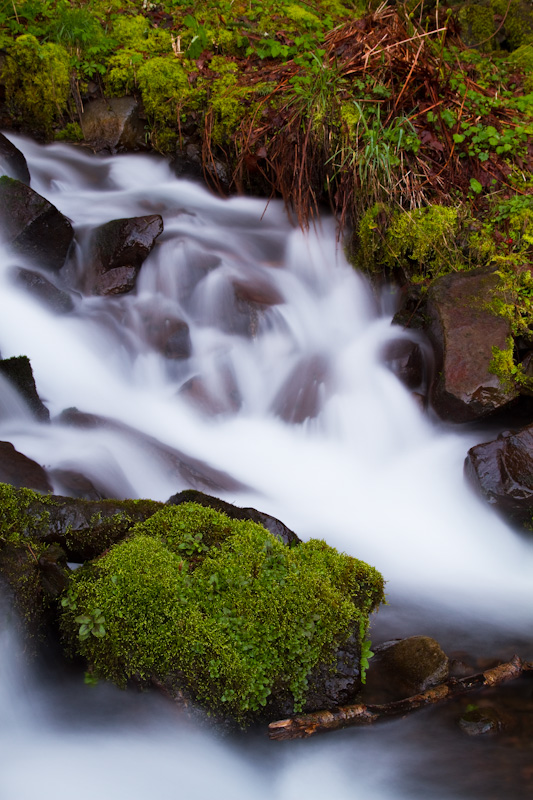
{"x":285,"y":404}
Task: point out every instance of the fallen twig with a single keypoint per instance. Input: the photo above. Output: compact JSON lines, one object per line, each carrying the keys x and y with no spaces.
{"x":301,"y":727}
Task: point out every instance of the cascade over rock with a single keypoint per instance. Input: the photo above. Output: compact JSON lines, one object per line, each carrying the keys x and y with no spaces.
{"x":118,"y":250}
{"x":12,"y":162}
{"x":19,"y":373}
{"x":42,"y":289}
{"x":33,"y":226}
{"x":463,"y":331}
{"x":502,"y":471}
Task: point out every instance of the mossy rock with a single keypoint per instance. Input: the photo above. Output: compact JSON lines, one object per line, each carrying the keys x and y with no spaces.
{"x":83,"y":528}
{"x":221,"y":610}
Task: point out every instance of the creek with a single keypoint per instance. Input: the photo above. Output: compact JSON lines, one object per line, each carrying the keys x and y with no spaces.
{"x":291,"y":403}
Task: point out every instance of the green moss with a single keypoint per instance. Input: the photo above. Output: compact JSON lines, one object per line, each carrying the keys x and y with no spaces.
{"x":482,"y":23}
{"x":17,"y":522}
{"x":36,"y":78}
{"x":422,"y":242}
{"x":221,"y":603}
{"x":70,"y":133}
{"x":165,"y":91}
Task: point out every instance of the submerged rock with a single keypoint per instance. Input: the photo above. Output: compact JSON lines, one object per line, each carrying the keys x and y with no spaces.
{"x":117,"y":251}
{"x":463,"y":331}
{"x":42,"y":289}
{"x":502,"y":471}
{"x":405,"y":359}
{"x":33,"y":226}
{"x":403,"y":668}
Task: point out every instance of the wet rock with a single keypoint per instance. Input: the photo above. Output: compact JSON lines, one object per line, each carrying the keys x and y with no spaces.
{"x":20,"y":471}
{"x":302,"y":393}
{"x":21,"y":576}
{"x":12,"y":162}
{"x":117,"y":251}
{"x":113,"y":124}
{"x":463,"y":332}
{"x":54,"y":572}
{"x":33,"y":226}
{"x":19,"y":373}
{"x":42,"y":289}
{"x":84,"y":529}
{"x":404,"y":358}
{"x":275,"y":526}
{"x":402,"y":668}
{"x":192,"y":471}
{"x":502,"y":471}
{"x":481,"y":721}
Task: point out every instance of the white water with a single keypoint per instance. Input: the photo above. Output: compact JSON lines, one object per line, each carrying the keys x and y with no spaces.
{"x":370,"y":473}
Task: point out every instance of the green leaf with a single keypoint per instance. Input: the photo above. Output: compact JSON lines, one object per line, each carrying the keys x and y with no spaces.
{"x":475,"y":186}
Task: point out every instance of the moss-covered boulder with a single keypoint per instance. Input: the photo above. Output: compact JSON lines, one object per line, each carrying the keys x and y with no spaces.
{"x":223,"y":612}
{"x":83,"y":528}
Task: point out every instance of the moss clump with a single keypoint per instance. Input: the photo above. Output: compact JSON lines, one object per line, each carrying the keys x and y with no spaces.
{"x":165,"y":90}
{"x":220,"y":603}
{"x":18,"y":523}
{"x":423,"y":243}
{"x":36,"y":78}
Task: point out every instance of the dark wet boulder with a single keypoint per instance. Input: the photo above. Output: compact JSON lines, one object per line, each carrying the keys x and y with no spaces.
{"x":12,"y":162}
{"x":117,"y":250}
{"x":275,"y":526}
{"x":43,"y":290}
{"x":113,"y":124}
{"x":502,"y":471}
{"x":19,"y":373}
{"x":32,"y":226}
{"x":21,"y":471}
{"x":403,"y":668}
{"x":463,"y":331}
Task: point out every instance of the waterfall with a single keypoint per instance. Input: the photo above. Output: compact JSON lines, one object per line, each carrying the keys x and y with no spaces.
{"x":287,"y":400}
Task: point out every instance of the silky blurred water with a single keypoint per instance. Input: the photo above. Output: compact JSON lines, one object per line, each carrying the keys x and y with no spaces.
{"x":304,"y":416}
